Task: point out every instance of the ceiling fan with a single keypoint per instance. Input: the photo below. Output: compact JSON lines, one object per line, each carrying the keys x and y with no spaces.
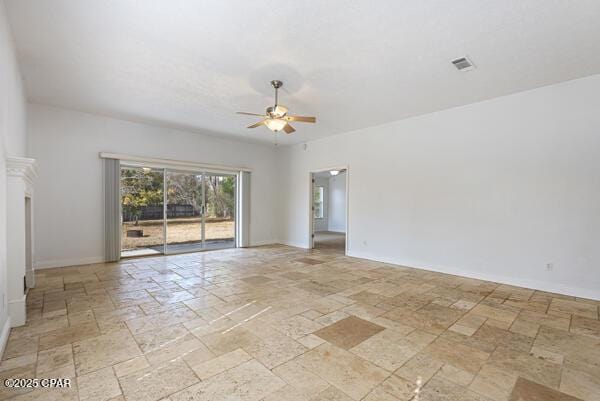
{"x":277,"y":117}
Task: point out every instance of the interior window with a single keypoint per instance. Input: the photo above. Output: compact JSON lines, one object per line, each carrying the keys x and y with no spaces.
{"x":318,"y":202}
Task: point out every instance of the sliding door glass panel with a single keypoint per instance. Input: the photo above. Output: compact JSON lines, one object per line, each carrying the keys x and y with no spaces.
{"x":219,"y":211}
{"x":184,"y":212}
{"x":142,"y":224}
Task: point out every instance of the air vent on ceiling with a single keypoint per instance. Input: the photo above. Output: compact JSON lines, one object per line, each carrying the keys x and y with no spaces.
{"x":463,"y":64}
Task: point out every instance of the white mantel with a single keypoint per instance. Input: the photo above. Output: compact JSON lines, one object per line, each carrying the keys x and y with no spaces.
{"x":21,"y":173}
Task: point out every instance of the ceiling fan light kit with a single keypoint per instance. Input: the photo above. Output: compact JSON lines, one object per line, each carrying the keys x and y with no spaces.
{"x":276,"y":117}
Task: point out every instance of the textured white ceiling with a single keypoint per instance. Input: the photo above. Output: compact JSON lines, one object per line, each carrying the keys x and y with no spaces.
{"x":353,"y":63}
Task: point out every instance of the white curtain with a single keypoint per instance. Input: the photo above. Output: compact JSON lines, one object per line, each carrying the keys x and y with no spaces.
{"x":112,"y":210}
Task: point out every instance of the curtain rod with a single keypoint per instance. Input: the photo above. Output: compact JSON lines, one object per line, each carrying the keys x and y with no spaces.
{"x":169,"y":162}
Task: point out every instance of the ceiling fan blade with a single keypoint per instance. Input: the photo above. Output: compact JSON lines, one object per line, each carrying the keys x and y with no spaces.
{"x":258,"y":124}
{"x":288,"y":129}
{"x":302,"y":119}
{"x":250,"y":114}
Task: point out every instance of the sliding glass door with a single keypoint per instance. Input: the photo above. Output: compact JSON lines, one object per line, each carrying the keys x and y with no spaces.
{"x":142,"y":204}
{"x":184,"y":211}
{"x":172,"y":211}
{"x":219,"y":211}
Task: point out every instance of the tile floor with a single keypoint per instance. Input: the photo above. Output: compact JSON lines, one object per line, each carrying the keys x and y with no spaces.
{"x":278,"y":323}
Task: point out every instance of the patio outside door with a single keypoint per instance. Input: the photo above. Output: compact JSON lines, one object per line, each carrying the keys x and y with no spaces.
{"x":172,"y":211}
{"x":200,"y":211}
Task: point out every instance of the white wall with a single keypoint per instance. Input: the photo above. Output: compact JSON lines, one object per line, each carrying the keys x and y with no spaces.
{"x":494,"y":190}
{"x":69,"y":204}
{"x":12,"y":143}
{"x":323,"y":224}
{"x":337,"y":203}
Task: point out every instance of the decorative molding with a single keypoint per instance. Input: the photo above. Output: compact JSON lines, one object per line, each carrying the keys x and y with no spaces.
{"x":23,"y":167}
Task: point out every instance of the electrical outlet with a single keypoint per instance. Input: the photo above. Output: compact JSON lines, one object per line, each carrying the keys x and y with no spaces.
{"x":549,"y":267}
{"x":365,"y":243}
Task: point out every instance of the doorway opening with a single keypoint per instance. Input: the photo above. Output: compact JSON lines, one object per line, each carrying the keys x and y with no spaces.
{"x":329,"y":210}
{"x":167,"y":211}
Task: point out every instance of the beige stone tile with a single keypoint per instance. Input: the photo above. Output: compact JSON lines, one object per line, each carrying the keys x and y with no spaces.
{"x":524,"y":327}
{"x":331,"y":394}
{"x":543,"y":319}
{"x":56,"y":362}
{"x":306,"y":383}
{"x":130,"y":366}
{"x":494,"y":383}
{"x":198,"y":356}
{"x":101,"y":385}
{"x":431,"y":318}
{"x":207,"y":305}
{"x":527,"y":366}
{"x":364,"y":311}
{"x":105,"y":350}
{"x":390,"y":324}
{"x":563,"y":306}
{"x":229,"y":340}
{"x":579,"y":351}
{"x":349,"y":332}
{"x":40,"y":326}
{"x":505,"y":315}
{"x":212,"y":367}
{"x":420,"y":367}
{"x":22,"y":372}
{"x":331,"y":318}
{"x":379,"y":395}
{"x":19,"y":346}
{"x":50,"y":394}
{"x":456,"y":375}
{"x":401,"y":389}
{"x":546,"y":355}
{"x":310,"y":341}
{"x":18,"y":362}
{"x":349,"y":373}
{"x":460,"y":356}
{"x":468,"y":324}
{"x":274,"y":348}
{"x":167,"y":343}
{"x":297,"y":326}
{"x":368,"y":298}
{"x":387,"y":349}
{"x":156,"y":382}
{"x":81,"y":317}
{"x":159,"y":320}
{"x":249,"y":381}
{"x":585,"y":326}
{"x":528,"y":390}
{"x":438,"y":389}
{"x":580,"y":384}
{"x":68,"y":335}
{"x":312,"y":314}
{"x":464,"y":304}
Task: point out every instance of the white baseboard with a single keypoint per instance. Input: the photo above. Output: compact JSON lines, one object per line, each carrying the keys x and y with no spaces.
{"x":514,"y":281}
{"x":264,"y":242}
{"x":4,"y":336}
{"x":48,"y":264}
{"x":294,"y":244}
